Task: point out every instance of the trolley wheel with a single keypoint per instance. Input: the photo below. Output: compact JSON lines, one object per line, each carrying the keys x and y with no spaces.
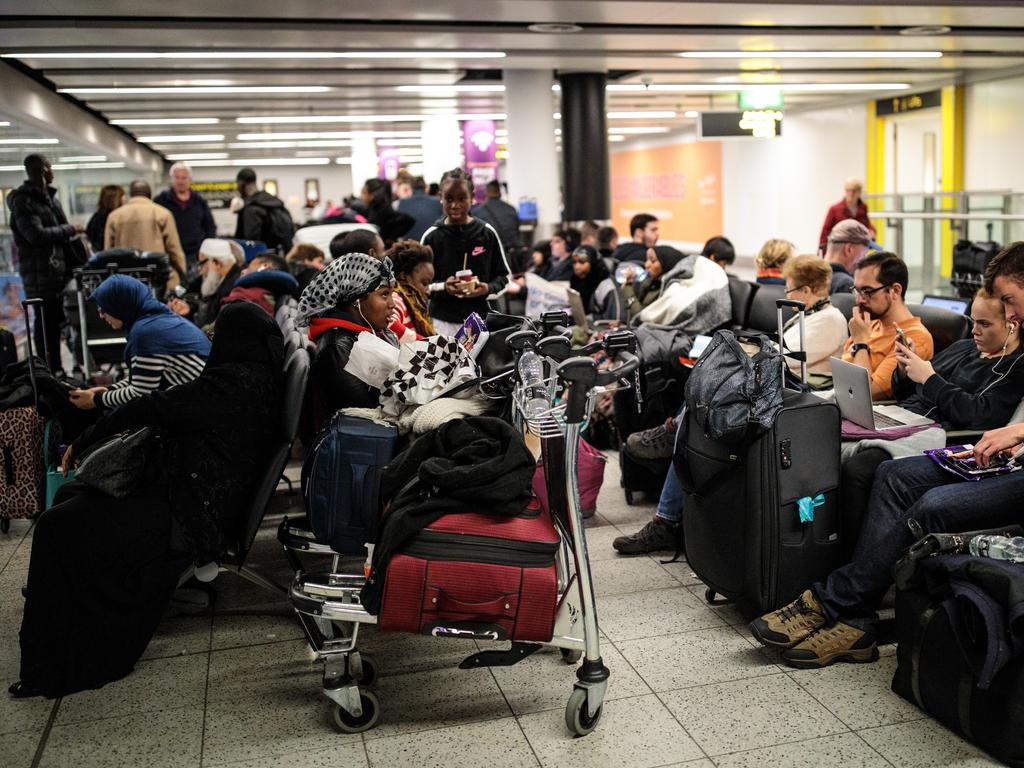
{"x":5,"y":524}
{"x":371,"y":673}
{"x":709,"y":596}
{"x":576,"y":718}
{"x":571,"y":656}
{"x":629,"y":497}
{"x":348,"y":723}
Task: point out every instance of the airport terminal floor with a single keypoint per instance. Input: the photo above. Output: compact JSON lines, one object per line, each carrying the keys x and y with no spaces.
{"x":688,"y":687}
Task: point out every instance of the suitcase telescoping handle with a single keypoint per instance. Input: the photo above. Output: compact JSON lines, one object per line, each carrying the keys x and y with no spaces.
{"x":37,"y":306}
{"x":801,"y":355}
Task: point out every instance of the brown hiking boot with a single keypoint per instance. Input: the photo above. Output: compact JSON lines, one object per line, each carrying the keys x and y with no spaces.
{"x":790,"y":624}
{"x":840,"y":642}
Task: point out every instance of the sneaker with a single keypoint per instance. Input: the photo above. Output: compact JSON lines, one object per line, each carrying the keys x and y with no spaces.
{"x":789,"y":625}
{"x":654,"y":443}
{"x":840,"y":642}
{"x":656,"y":536}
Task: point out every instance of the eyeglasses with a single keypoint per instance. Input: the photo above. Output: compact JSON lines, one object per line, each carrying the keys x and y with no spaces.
{"x":867,"y":293}
{"x":794,"y":290}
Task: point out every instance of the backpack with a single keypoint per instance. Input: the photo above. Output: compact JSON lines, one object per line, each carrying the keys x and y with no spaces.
{"x":278,"y":229}
{"x":735,"y":396}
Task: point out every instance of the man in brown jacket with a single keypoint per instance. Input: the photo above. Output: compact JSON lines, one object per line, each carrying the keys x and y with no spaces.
{"x":146,"y":226}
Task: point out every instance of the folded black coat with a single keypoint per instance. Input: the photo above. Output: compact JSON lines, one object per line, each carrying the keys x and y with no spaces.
{"x":476,"y":464}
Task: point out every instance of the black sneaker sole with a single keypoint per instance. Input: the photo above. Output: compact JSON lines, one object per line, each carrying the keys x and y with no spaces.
{"x":859,"y":656}
{"x":756,"y":633}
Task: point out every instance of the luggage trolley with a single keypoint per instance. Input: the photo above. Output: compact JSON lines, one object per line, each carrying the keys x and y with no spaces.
{"x":328,"y":604}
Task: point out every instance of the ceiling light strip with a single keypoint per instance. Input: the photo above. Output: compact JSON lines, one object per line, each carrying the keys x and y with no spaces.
{"x":265,"y":54}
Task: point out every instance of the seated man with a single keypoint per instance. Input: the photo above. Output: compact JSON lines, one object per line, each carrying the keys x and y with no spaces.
{"x":832,"y":621}
{"x":880,"y":285}
{"x":218,"y":271}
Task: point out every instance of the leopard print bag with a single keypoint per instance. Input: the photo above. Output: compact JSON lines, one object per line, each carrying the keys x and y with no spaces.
{"x":21,"y":462}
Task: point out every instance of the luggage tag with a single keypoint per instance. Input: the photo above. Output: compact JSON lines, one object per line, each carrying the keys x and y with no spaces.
{"x":806,"y":507}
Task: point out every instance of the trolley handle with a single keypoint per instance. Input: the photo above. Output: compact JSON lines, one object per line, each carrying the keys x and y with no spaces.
{"x":581,"y":375}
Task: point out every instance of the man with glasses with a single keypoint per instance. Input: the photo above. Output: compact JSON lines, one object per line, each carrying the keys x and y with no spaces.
{"x":880,"y":285}
{"x":848,"y":243}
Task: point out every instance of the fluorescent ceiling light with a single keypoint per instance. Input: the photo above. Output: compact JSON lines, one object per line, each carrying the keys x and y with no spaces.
{"x":182,"y":138}
{"x":197,"y":89}
{"x":282,"y":119}
{"x":257,"y":161}
{"x":266,"y":54}
{"x":447,"y":90}
{"x":343,"y":161}
{"x":289,"y":144}
{"x":30,"y":142}
{"x":84,"y":159}
{"x":810,"y":55}
{"x":285,"y":136}
{"x":616,"y":137}
{"x":642,"y":129}
{"x":399,"y":142}
{"x":199,"y":156}
{"x":166,"y":121}
{"x":653,"y":115}
{"x":737,"y":87}
{"x":4,"y":124}
{"x":691,"y":114}
{"x":84,"y":166}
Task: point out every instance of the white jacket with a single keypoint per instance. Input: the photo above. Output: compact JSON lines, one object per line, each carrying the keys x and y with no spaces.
{"x":825,"y":334}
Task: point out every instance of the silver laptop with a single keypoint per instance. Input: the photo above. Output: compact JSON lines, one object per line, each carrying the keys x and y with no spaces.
{"x":579,"y":315}
{"x":853,"y":396}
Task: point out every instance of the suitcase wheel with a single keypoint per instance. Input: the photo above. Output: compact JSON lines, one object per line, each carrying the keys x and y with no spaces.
{"x":629,"y":497}
{"x":348,"y":723}
{"x":577,"y":720}
{"x":569,"y":656}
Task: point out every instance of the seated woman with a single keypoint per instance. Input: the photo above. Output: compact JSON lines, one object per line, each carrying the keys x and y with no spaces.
{"x":305,"y":260}
{"x":414,"y":272}
{"x":974,"y":383}
{"x":660,"y":260}
{"x":825,"y":328}
{"x":163,"y":349}
{"x":588,"y":274}
{"x":352,"y":295}
{"x":770,"y":259}
{"x":103,"y":569}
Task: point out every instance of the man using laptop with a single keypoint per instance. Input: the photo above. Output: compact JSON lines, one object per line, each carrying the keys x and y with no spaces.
{"x":879,"y":287}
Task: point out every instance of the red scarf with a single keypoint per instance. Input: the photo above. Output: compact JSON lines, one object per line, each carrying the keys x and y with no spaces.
{"x":320,"y":325}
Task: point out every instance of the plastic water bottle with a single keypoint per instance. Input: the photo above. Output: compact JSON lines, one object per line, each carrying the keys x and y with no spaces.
{"x":998,"y":547}
{"x":531,"y":373}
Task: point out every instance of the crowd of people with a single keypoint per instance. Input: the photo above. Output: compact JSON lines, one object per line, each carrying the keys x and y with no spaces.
{"x":425,"y":266}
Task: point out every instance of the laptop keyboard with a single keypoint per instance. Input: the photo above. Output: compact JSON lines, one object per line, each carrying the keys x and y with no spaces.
{"x":882,"y":421}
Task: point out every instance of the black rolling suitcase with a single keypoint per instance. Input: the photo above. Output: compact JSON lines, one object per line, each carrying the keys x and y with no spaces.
{"x":744,"y":536}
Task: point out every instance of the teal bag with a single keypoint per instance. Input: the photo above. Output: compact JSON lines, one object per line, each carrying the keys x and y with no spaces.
{"x":54,"y":476}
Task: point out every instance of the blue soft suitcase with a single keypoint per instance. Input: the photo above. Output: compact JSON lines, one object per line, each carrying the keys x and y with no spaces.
{"x":341,"y":481}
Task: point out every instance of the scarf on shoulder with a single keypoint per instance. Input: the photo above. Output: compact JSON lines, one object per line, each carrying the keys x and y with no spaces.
{"x":416,"y":305}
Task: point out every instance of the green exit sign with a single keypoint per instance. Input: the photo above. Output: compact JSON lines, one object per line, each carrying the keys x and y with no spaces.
{"x":762,"y":98}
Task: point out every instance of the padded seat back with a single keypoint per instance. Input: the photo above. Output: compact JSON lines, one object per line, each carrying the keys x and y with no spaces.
{"x":844,"y":302}
{"x":742,"y":293}
{"x":943,"y":324}
{"x":763,"y":312}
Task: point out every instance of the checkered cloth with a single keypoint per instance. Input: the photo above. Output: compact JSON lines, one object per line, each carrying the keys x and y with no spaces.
{"x":426,"y":370}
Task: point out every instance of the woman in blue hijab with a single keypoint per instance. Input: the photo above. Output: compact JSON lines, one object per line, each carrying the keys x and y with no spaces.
{"x":162,"y":350}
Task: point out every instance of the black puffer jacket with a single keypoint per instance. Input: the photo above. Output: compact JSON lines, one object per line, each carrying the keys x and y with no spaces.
{"x":41,"y":231}
{"x":219,"y":428}
{"x":475,"y":246}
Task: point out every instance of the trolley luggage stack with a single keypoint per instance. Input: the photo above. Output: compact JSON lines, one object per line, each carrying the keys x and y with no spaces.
{"x":538,"y":561}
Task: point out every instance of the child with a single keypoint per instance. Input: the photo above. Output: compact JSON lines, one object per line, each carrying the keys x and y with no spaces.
{"x":462,"y":243}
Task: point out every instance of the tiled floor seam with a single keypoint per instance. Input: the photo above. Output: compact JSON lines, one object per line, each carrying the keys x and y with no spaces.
{"x":45,"y":735}
{"x":872,"y":748}
{"x":838,"y":716}
{"x":681,"y":725}
{"x":368,"y":735}
{"x":715,"y":758}
{"x":515,"y":717}
{"x":206,"y":695}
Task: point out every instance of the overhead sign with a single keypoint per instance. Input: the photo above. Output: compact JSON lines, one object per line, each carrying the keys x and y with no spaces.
{"x":481,"y":150}
{"x":762,"y":98}
{"x":900,"y":104}
{"x":218,"y":194}
{"x":756,"y":123}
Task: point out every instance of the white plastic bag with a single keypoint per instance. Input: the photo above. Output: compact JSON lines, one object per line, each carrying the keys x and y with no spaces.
{"x":543,"y":296}
{"x":372,"y":360}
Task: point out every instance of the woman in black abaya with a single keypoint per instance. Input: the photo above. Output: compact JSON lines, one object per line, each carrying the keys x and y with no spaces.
{"x":103,"y":569}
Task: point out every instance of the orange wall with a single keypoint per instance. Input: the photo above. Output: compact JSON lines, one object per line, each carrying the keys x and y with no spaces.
{"x":681,"y":184}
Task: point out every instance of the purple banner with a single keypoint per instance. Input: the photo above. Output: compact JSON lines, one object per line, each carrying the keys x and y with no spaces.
{"x":387,"y":164}
{"x":481,"y":152}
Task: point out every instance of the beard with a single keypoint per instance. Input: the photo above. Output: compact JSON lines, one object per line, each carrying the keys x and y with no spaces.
{"x":211,"y":282}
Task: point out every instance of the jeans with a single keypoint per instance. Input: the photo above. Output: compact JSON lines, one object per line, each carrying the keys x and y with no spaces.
{"x":910,"y":488}
{"x":670,"y":503}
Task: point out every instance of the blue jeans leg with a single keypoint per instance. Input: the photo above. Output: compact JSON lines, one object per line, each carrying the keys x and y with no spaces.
{"x":910,"y":488}
{"x":670,"y":503}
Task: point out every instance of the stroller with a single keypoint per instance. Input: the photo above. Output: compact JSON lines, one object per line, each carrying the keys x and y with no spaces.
{"x":328,"y":604}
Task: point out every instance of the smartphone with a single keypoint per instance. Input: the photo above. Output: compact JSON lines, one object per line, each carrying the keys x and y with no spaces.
{"x":902,"y":337}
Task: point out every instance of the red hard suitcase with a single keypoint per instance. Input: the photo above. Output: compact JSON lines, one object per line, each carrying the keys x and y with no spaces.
{"x":476,"y":575}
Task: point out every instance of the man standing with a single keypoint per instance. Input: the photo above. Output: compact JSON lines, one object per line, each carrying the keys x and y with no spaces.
{"x":190,"y":211}
{"x":850,"y":207}
{"x":501,"y":216}
{"x":643,"y":232}
{"x":42,"y":235}
{"x":263,"y":217}
{"x":142,"y":224}
{"x":422,"y":207}
{"x":848,"y":243}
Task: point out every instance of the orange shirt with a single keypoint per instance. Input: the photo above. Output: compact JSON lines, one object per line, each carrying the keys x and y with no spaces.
{"x":882,"y":348}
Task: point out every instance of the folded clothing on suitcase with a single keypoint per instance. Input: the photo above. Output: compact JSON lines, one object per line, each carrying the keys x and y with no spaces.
{"x":476,"y":575}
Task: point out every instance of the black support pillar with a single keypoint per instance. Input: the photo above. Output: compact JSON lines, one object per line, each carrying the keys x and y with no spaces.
{"x":585,"y":146}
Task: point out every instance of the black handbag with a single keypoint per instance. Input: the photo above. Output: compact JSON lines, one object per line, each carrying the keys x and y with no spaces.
{"x":931,"y":544}
{"x":119,"y":465}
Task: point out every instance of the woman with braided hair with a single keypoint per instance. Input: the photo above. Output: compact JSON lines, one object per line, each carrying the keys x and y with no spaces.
{"x":414,"y":272}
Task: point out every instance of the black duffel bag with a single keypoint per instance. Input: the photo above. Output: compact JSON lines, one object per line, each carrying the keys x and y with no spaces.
{"x":960,"y":630}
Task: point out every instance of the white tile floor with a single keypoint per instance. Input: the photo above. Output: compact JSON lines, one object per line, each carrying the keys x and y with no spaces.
{"x":688,"y":686}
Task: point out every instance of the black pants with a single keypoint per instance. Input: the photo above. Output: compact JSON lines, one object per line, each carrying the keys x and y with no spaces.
{"x":858,"y":476}
{"x":47,"y":326}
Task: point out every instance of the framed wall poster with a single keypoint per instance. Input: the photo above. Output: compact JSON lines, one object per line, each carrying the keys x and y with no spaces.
{"x":312,"y":192}
{"x":270,"y":186}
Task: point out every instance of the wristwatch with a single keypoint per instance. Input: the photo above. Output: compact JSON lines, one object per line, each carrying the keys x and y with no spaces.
{"x":855,"y":348}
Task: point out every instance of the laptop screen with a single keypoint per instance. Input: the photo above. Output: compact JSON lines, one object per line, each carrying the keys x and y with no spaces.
{"x":946,"y":302}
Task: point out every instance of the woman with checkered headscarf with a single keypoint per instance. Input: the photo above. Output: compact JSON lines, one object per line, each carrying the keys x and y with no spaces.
{"x":352,"y":295}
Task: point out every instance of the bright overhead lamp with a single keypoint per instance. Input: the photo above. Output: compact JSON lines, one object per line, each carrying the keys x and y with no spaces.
{"x":810,"y":55}
{"x":343,"y":161}
{"x":265,"y":54}
{"x":182,"y":138}
{"x":166,"y":121}
{"x":84,"y":159}
{"x":616,"y":137}
{"x":653,"y":115}
{"x":399,"y":142}
{"x":737,"y":87}
{"x":199,"y":156}
{"x":196,"y":89}
{"x":30,"y":142}
{"x":289,"y":135}
{"x":264,"y":161}
{"x":642,"y":129}
{"x":293,"y":119}
{"x":84,"y":166}
{"x":289,"y":144}
{"x":446,"y":90}
{"x":4,"y":124}
{"x":691,"y":114}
